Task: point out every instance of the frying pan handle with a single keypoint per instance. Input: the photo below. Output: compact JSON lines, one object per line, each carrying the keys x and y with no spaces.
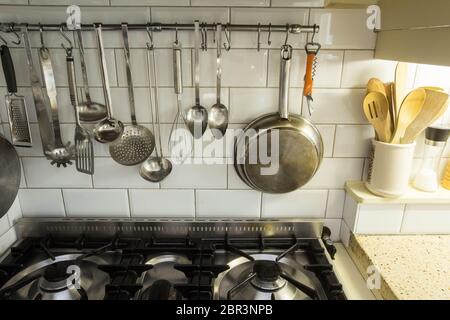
{"x":307,"y":89}
{"x":285,"y":68}
{"x":8,"y":69}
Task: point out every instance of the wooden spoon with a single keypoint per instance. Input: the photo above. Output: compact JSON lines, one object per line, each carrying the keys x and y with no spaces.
{"x":376,"y":109}
{"x":409,"y":110}
{"x":435,"y":104}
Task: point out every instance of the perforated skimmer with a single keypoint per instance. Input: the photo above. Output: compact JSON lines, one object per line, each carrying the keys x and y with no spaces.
{"x":136,"y":142}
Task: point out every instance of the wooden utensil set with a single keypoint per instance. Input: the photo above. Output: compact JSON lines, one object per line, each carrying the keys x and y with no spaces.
{"x":398,"y":117}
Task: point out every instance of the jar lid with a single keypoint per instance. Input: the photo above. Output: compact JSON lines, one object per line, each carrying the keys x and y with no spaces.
{"x":438,"y":134}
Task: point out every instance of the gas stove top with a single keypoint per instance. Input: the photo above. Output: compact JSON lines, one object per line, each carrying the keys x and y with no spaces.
{"x":73,"y":259}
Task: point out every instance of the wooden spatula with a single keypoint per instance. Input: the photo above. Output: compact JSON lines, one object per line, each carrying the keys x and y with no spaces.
{"x":409,"y":110}
{"x":376,"y":109}
{"x":435,"y":104}
{"x":401,"y":78}
{"x":390,"y":91}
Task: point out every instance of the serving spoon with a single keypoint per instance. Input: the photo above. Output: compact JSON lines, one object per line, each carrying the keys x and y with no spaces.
{"x":218,"y":114}
{"x":196,"y":117}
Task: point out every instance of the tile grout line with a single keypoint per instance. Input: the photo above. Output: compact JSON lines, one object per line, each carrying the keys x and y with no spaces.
{"x":326,"y":204}
{"x":129,"y":203}
{"x":63,"y":201}
{"x":195,"y":203}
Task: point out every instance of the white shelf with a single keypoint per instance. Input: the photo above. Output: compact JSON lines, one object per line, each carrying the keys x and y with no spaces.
{"x":358,"y":191}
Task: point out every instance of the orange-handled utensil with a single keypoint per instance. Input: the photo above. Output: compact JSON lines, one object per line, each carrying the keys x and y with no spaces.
{"x":312,"y":49}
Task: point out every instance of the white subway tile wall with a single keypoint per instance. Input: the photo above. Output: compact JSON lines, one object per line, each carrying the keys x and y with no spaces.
{"x":394,"y":218}
{"x":7,"y":222}
{"x":250,"y":89}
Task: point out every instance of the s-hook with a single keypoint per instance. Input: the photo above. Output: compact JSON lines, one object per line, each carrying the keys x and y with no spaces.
{"x":269,"y":42}
{"x":288,"y":29}
{"x":67,"y":49}
{"x":41,"y":35}
{"x":3,"y":40}
{"x":227,"y":45}
{"x":11,"y":29}
{"x":204,"y":33}
{"x":150,"y":44}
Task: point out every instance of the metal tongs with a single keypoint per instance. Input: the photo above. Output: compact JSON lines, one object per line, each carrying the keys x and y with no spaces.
{"x":312,"y":49}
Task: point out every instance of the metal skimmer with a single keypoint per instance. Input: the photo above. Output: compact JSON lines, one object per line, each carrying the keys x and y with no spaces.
{"x":136,"y":142}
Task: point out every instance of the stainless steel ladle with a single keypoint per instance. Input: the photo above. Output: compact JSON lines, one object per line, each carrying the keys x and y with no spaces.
{"x":156,"y":168}
{"x":108,"y":129}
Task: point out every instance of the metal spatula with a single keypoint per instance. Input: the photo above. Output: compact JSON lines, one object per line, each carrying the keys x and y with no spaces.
{"x":84,"y":149}
{"x":15,"y":104}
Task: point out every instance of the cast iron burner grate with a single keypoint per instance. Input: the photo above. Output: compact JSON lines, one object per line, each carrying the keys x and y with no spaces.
{"x":200,"y":273}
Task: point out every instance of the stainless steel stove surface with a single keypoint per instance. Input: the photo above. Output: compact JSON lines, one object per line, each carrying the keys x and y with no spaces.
{"x":163,"y":260}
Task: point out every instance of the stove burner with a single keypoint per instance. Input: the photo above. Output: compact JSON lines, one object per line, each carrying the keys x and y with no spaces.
{"x":58,"y":271}
{"x":267,"y":275}
{"x":160,"y":290}
{"x":49,"y":280}
{"x":158,"y":282}
{"x":266,"y":270}
{"x":59,"y":277}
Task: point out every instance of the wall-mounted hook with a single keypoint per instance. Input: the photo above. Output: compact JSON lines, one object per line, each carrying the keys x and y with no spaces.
{"x":227,"y":45}
{"x":150,"y":45}
{"x":67,"y":49}
{"x":258,"y":48}
{"x":41,"y":34}
{"x":288,"y":29}
{"x":11,"y":29}
{"x":269,"y":42}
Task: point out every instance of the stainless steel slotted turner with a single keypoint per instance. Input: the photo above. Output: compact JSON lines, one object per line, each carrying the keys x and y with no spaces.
{"x":84,"y":148}
{"x":15,"y":104}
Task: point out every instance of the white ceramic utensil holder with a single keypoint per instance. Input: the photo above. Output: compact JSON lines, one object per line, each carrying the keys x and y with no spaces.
{"x":391,"y":169}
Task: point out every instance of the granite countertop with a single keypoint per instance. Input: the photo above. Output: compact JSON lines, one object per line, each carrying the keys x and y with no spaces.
{"x":412,"y":267}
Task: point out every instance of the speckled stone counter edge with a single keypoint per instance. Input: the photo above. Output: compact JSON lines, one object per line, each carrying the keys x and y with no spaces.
{"x":362,"y":261}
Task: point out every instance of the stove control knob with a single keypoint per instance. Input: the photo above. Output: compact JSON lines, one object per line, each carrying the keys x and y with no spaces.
{"x":329,"y":244}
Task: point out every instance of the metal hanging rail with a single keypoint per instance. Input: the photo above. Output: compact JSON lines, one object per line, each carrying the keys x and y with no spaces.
{"x":292,"y":28}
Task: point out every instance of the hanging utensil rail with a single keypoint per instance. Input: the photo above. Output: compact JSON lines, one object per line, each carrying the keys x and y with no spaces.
{"x":292,"y":28}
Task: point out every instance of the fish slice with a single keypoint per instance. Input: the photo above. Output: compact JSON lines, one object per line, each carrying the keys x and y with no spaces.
{"x":376,"y":109}
{"x":434,"y":106}
{"x":84,"y":149}
{"x":409,"y":110}
{"x":15,"y":104}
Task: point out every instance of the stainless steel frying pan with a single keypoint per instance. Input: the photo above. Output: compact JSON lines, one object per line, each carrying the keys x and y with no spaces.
{"x":9,"y":175}
{"x":295,"y":143}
